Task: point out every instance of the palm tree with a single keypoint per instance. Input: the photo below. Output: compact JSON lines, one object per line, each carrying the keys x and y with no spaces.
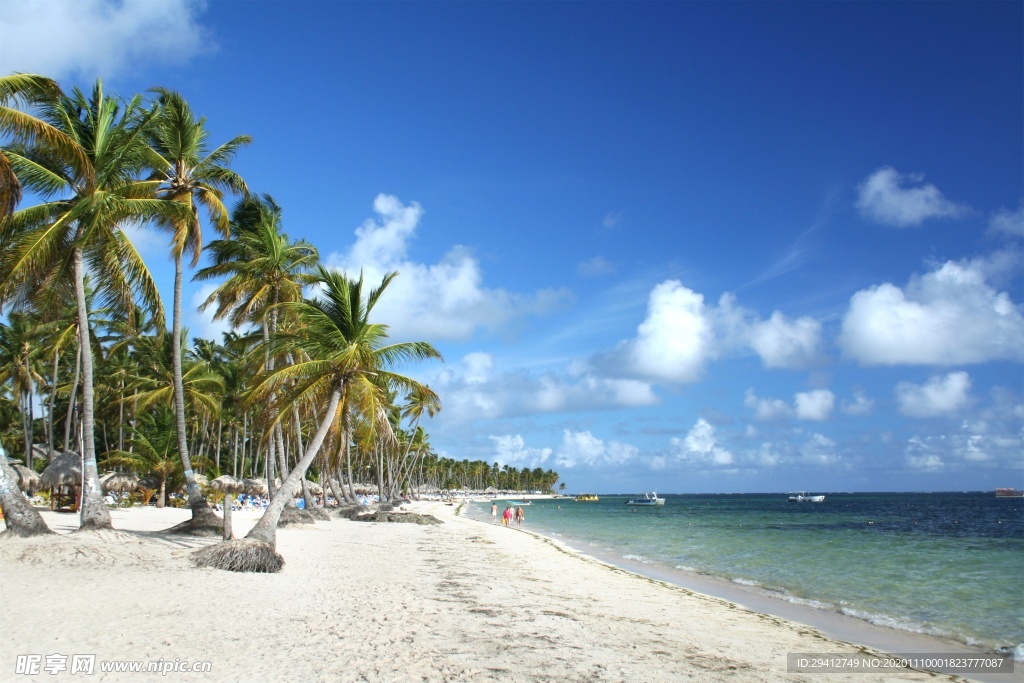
{"x":19,"y":356}
{"x":263,"y":268}
{"x":191,"y":176}
{"x":20,"y":517}
{"x":26,"y":129}
{"x":44,"y":245}
{"x":155,"y":449}
{"x":344,"y":355}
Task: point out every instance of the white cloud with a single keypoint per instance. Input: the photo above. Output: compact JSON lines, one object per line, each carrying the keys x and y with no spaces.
{"x":611,"y":219}
{"x":766,"y":409}
{"x":595,"y":267}
{"x":476,"y":388}
{"x":681,"y":334}
{"x":479,"y":367}
{"x":924,"y":453}
{"x":860,"y":405}
{"x":1006,"y":222}
{"x":583,"y":448}
{"x":938,"y":397}
{"x":948,"y":316}
{"x":889,"y":197}
{"x":512,"y":450}
{"x":700,"y":445}
{"x":204,"y":326}
{"x":446,"y":300}
{"x":819,"y":450}
{"x":90,"y":38}
{"x":815,"y":405}
{"x":782,"y":343}
{"x":675,"y":340}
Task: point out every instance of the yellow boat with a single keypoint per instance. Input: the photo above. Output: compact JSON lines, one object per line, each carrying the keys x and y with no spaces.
{"x":586,"y":498}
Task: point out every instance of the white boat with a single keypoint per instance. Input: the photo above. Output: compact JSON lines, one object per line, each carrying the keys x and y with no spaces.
{"x":649,"y":500}
{"x":803,"y":497}
{"x":518,"y":503}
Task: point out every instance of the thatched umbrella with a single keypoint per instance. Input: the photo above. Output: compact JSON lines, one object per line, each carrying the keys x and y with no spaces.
{"x":229,"y":485}
{"x":314,"y":488}
{"x":63,"y":470}
{"x":255,"y":487}
{"x":28,"y":480}
{"x":201,"y":480}
{"x":119,"y":482}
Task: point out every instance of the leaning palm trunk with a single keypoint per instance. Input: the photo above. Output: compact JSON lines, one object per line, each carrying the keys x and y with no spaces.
{"x":94,"y":512}
{"x":203,"y":521}
{"x":256,"y":552}
{"x":21,"y":518}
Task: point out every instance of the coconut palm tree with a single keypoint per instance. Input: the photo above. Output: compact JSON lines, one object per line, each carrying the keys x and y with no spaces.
{"x":28,"y":90}
{"x":89,"y":203}
{"x":343,"y":355}
{"x":263,"y":268}
{"x":19,"y":357}
{"x":192,"y":176}
{"x":20,"y":517}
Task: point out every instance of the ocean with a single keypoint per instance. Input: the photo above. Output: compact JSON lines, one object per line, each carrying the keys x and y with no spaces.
{"x":950,"y":565}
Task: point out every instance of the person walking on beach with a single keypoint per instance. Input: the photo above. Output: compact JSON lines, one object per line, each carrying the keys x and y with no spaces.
{"x":494,"y":512}
{"x":520,"y":515}
{"x":506,"y":519}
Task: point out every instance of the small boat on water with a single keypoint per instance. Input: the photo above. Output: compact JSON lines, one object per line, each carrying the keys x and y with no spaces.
{"x":648,"y":500}
{"x":586,"y":498}
{"x":1009,"y":493}
{"x":517,"y":503}
{"x":804,"y":497}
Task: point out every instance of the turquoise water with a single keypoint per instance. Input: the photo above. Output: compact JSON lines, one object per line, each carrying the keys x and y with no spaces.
{"x":945,"y":564}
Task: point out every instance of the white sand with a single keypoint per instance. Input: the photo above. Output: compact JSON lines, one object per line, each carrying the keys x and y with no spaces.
{"x":461,"y":601}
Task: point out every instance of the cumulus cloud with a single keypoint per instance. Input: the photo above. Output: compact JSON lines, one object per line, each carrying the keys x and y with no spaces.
{"x":814,"y":405}
{"x":766,"y":409}
{"x":938,"y":397}
{"x":512,"y":450}
{"x":585,"y":449}
{"x":860,"y":405}
{"x":700,"y":445}
{"x":676,"y":339}
{"x":90,"y":38}
{"x":446,"y":300}
{"x":681,"y":334}
{"x":782,"y":343}
{"x":892,"y":198}
{"x":948,"y":316}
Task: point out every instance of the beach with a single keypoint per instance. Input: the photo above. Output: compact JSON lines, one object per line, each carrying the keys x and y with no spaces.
{"x":461,"y":601}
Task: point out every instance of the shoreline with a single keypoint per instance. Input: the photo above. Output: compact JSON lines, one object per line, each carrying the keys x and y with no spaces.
{"x":461,"y":601}
{"x":878,"y":630}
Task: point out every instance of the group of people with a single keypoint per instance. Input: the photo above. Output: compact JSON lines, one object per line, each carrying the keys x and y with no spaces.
{"x":506,"y":518}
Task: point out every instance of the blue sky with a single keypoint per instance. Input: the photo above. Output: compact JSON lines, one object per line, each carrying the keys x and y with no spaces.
{"x":698,"y":247}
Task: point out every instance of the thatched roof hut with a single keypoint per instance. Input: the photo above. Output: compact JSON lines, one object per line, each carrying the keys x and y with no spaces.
{"x":119,"y":482}
{"x":150,"y":481}
{"x":227,"y":484}
{"x":28,"y":480}
{"x":255,"y":487}
{"x":63,"y":470}
{"x":313,"y":487}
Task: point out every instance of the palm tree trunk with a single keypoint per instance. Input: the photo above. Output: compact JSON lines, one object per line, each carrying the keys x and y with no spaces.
{"x":20,"y":517}
{"x":94,"y":511}
{"x":53,"y":397}
{"x":196,"y":500}
{"x":266,"y":528}
{"x":72,"y":400}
